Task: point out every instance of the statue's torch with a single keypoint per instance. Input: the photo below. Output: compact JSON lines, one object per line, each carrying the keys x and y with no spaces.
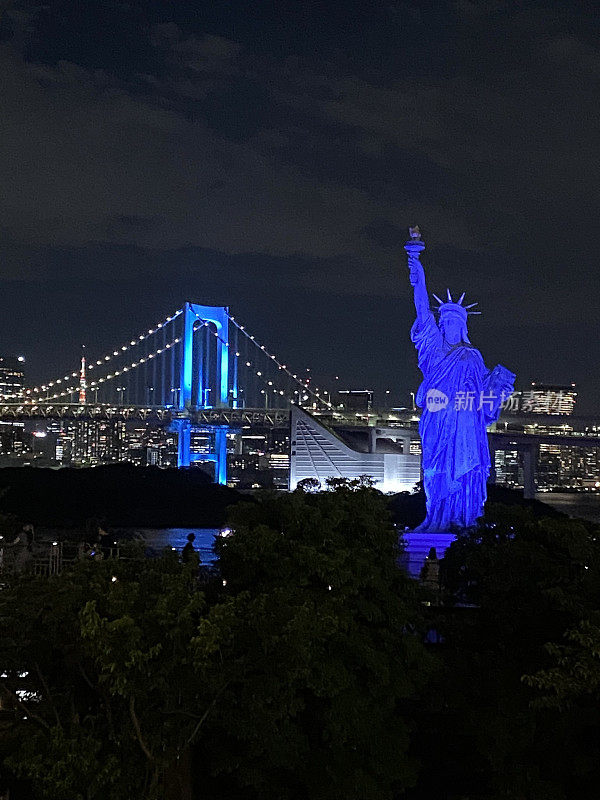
{"x":414,"y":247}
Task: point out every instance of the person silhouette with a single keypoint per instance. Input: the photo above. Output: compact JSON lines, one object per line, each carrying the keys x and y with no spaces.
{"x":189,"y":554}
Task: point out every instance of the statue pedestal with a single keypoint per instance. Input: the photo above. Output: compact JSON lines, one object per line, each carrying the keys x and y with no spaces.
{"x":418,"y":546}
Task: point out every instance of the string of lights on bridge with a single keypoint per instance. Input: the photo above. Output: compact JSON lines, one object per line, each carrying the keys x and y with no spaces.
{"x":305,"y":384}
{"x":102,"y":361}
{"x":282,"y":367}
{"x":119,"y":372}
{"x":34,"y":393}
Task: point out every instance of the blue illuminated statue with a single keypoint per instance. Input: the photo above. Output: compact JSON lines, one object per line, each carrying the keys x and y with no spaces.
{"x":459,"y":398}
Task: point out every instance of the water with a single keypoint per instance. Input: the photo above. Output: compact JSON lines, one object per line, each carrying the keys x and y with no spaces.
{"x":159,"y":538}
{"x":576,"y":504}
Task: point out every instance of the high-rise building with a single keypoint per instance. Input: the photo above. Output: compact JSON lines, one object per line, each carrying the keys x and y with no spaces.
{"x":14,"y":442}
{"x":508,"y":467}
{"x":544,"y":398}
{"x":258,"y":456}
{"x":355,"y":400}
{"x":96,"y":441}
{"x":12,"y":377}
{"x":147,"y":445}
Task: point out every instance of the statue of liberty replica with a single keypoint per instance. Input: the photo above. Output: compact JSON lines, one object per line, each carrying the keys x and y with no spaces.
{"x":459,"y":398}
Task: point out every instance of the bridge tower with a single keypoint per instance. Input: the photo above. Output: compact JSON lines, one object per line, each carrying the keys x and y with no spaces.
{"x":194,"y":393}
{"x":194,"y":389}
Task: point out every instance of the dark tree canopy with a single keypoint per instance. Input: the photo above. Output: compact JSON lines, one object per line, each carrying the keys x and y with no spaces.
{"x":309,"y":667}
{"x":511,"y":586}
{"x":290,"y":675}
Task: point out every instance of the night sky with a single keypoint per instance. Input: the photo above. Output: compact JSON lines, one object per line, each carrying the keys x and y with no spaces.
{"x":270,"y":156}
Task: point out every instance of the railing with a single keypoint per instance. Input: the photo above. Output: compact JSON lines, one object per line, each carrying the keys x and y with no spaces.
{"x":46,"y":559}
{"x":159,"y":414}
{"x":40,"y":558}
{"x":90,"y":411}
{"x":49,"y":558}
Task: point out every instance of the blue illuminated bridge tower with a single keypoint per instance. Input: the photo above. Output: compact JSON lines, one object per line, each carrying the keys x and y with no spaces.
{"x":194,"y":386}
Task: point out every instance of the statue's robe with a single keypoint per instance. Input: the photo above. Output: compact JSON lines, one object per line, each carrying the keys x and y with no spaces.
{"x":456,"y":455}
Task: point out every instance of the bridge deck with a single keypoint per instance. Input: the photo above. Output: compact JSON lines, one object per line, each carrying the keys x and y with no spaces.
{"x":581,"y":435}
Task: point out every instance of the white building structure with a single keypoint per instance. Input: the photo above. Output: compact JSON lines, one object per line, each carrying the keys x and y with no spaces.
{"x":318,"y":452}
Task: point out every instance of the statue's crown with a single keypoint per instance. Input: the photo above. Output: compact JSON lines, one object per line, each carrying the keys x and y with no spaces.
{"x":452,"y":307}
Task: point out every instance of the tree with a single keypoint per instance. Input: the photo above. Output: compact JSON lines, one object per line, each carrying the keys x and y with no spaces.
{"x":575,"y":674}
{"x":124,"y":680}
{"x":351,"y":484}
{"x":309,"y":485}
{"x":511,"y":585}
{"x":101,"y":678}
{"x":318,"y":645}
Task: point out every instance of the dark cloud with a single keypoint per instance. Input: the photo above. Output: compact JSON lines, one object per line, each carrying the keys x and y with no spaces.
{"x":382,"y":233}
{"x":157,"y":152}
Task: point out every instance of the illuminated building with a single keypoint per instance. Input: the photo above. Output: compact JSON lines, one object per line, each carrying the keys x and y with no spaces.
{"x":11,"y":377}
{"x":259,"y":456}
{"x":545,"y":398}
{"x":359,"y":401}
{"x":82,"y":382}
{"x":567,"y":467}
{"x":508,"y":467}
{"x":96,"y":442}
{"x":317,"y":452}
{"x":151,"y":446}
{"x":14,"y":442}
{"x":279,"y":464}
{"x":559,"y":464}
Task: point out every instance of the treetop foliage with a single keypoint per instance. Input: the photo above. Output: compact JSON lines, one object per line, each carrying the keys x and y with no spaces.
{"x":143,"y":682}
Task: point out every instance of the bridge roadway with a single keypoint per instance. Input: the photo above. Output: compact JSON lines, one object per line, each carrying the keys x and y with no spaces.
{"x":518,"y":429}
{"x":233,"y":417}
{"x":586,"y":430}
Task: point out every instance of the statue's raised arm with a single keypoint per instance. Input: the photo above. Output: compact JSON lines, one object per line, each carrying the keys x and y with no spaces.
{"x":414,"y":247}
